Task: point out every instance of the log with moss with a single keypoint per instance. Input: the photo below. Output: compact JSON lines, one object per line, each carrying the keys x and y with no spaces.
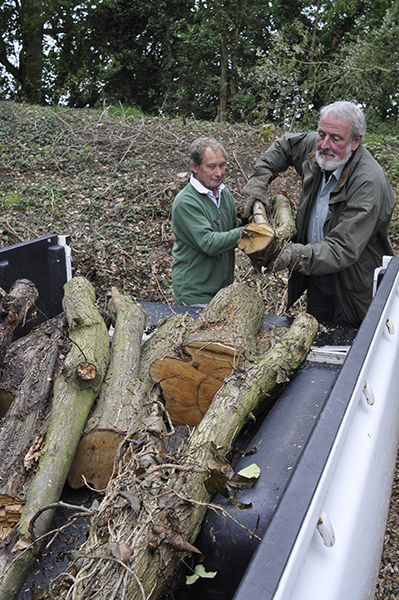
{"x":263,"y":239}
{"x":75,"y":389}
{"x":153,"y":510}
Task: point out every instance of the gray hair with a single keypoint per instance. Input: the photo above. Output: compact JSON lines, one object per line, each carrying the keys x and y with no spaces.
{"x":199,"y":146}
{"x":342,"y":109}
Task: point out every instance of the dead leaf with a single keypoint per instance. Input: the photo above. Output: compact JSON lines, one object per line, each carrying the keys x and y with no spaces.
{"x":216,"y":483}
{"x":134,"y":500}
{"x":181,"y":545}
{"x":120,"y":551}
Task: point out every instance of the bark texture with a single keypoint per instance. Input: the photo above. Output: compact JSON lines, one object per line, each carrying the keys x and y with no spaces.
{"x":14,"y":308}
{"x":27,"y":382}
{"x":222,"y":336}
{"x":123,"y":404}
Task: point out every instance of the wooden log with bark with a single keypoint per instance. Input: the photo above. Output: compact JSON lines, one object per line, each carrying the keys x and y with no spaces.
{"x":14,"y":308}
{"x":27,"y":382}
{"x":152,"y":511}
{"x":222,"y":336}
{"x":123,"y":403}
{"x":72,"y":399}
{"x":263,"y":239}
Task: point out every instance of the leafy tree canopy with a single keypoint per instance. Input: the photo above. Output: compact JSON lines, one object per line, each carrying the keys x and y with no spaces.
{"x":225,"y":59}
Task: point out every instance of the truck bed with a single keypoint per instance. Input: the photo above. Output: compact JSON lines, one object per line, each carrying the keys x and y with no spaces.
{"x":327,"y":452}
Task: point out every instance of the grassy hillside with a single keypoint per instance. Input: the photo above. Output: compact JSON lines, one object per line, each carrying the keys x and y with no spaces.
{"x":108,"y":180}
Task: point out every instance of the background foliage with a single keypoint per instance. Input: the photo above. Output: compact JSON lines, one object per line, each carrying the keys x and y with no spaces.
{"x":235,"y":60}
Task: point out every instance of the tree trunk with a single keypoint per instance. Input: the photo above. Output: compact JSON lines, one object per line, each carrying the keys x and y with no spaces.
{"x":14,"y":308}
{"x":221,"y":337}
{"x":72,"y":400}
{"x":26,"y":387}
{"x":151,"y":515}
{"x":31,"y":56}
{"x":263,"y":239}
{"x":118,"y":403}
{"x":122,"y":405}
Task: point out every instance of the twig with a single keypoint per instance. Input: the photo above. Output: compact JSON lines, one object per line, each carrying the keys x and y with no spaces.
{"x":239,"y":164}
{"x":220,"y":510}
{"x":54,"y":505}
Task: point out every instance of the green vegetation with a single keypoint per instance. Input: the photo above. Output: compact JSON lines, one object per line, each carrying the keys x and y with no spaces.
{"x":236,"y":60}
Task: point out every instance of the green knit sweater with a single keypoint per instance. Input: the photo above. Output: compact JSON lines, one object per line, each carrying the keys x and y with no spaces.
{"x":205,"y":239}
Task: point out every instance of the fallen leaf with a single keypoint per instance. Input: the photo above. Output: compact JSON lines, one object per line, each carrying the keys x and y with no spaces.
{"x":120,"y":551}
{"x":180,"y":545}
{"x":251,"y":472}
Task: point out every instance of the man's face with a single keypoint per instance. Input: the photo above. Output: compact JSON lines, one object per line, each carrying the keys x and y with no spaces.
{"x":212,"y":170}
{"x":334,"y":142}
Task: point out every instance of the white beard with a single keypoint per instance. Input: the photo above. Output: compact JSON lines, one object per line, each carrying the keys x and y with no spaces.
{"x":333,"y":163}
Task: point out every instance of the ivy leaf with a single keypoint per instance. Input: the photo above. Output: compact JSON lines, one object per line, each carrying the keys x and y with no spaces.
{"x":11,"y":199}
{"x":199,"y":571}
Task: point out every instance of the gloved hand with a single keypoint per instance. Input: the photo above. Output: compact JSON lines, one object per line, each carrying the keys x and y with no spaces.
{"x":255,"y":189}
{"x":283,"y":260}
{"x":289,"y":258}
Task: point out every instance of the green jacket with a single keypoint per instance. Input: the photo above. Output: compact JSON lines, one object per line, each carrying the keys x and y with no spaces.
{"x":356,"y":228}
{"x":205,"y":239}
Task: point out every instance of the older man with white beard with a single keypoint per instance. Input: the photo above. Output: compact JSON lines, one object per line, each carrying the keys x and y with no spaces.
{"x":342,"y":218}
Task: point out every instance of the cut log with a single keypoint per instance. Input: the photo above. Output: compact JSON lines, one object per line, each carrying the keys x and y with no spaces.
{"x":117,"y":404}
{"x":258,"y":239}
{"x":72,"y":401}
{"x":30,"y":366}
{"x":158,"y":527}
{"x":284,"y":223}
{"x":14,"y":308}
{"x":222,"y":336}
{"x":263,"y":239}
{"x":122,"y":405}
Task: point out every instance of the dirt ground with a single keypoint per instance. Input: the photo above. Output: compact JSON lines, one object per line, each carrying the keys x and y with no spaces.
{"x":108,"y":181}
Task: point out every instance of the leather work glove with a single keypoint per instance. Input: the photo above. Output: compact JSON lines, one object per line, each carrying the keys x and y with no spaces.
{"x":255,"y":189}
{"x":289,"y":258}
{"x":283,"y":260}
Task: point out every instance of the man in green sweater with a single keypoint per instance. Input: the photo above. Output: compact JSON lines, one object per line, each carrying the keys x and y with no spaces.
{"x":204,"y":225}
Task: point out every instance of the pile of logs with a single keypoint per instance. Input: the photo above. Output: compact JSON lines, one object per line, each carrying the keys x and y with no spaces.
{"x":77,"y":408}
